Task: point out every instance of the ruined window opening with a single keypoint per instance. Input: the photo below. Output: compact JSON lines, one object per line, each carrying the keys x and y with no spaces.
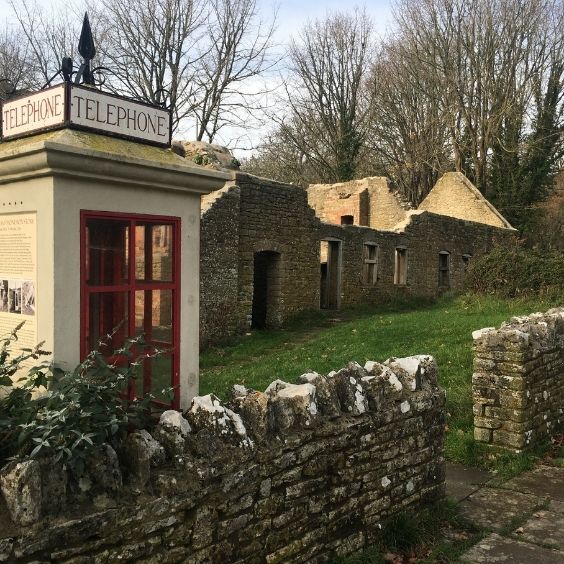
{"x":400,"y":273}
{"x":370,"y":266}
{"x":347,"y":220}
{"x":444,"y":269}
{"x":466,"y":261}
{"x":266,"y":290}
{"x":130,"y":286}
{"x":330,"y":274}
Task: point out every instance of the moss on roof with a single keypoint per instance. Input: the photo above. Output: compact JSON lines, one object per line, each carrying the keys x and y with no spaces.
{"x":95,"y":142}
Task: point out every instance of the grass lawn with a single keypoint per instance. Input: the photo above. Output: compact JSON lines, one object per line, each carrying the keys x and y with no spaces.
{"x":327,"y":341}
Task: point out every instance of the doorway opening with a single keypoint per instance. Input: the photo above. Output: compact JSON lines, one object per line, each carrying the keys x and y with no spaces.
{"x":330,"y":274}
{"x":266,"y":290}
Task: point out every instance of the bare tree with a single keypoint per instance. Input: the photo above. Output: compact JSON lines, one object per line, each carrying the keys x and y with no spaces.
{"x":47,"y":37}
{"x":481,"y":59}
{"x":16,"y":73}
{"x":151,"y":47}
{"x":228,"y":77}
{"x":408,"y":133}
{"x":326,"y":121}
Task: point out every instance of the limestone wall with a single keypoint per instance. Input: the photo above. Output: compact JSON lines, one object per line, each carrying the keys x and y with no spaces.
{"x":518,"y":381}
{"x":370,"y":201}
{"x":423,"y":237}
{"x":250,"y":216}
{"x":298,"y":473}
{"x":220,"y":312}
{"x":254,"y":215}
{"x":455,"y":196}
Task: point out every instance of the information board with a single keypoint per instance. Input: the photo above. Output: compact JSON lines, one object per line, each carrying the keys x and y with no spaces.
{"x":18,"y":277}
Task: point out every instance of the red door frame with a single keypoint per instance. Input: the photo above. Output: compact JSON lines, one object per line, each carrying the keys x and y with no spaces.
{"x":132,"y":285}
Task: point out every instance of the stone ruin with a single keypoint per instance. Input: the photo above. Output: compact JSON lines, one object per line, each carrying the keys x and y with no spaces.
{"x":518,"y":381}
{"x":300,"y":472}
{"x":271,"y":250}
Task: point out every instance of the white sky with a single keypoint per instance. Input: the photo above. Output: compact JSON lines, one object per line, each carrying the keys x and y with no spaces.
{"x":291,"y":16}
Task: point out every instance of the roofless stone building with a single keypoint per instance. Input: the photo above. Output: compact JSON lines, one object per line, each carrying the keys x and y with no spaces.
{"x":270,"y":250}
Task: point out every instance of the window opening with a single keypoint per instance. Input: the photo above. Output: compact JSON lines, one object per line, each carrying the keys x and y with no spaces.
{"x":370,"y":266}
{"x":130,"y":285}
{"x":400,"y":272}
{"x":444,"y":268}
{"x":466,"y":261}
{"x":347,"y":220}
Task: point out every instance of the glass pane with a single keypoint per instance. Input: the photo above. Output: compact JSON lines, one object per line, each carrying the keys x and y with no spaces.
{"x":161,"y":377}
{"x":107,"y":257}
{"x":140,"y":252}
{"x":153,"y":252}
{"x":107,"y":321}
{"x":162,"y":252}
{"x":153,"y":315}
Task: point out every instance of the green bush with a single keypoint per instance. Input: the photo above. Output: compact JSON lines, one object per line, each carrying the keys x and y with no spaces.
{"x":514,"y":271}
{"x":65,"y":414}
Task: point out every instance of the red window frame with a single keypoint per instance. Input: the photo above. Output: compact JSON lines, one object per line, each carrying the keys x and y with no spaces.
{"x":131,"y":286}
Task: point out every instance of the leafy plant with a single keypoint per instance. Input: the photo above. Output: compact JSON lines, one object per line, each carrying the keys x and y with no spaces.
{"x":65,"y":414}
{"x":513,"y":271}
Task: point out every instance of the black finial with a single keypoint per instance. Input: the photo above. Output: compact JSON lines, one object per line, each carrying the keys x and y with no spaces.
{"x":87,"y":50}
{"x":86,"y":46}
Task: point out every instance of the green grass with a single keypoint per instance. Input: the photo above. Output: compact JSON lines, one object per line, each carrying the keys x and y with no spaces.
{"x":326,"y":341}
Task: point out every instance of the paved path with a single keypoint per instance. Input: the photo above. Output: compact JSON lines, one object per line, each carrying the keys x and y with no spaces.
{"x":525,"y":515}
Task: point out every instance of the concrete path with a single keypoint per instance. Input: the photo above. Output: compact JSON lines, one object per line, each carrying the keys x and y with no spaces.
{"x":524,"y":516}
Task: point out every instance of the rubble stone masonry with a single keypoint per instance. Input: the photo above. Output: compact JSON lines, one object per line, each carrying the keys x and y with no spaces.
{"x":254,"y":215}
{"x":299,"y":473}
{"x":518,"y":381}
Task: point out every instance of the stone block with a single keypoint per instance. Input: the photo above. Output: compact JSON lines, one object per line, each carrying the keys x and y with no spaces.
{"x":508,"y":439}
{"x":140,"y":452}
{"x":483,"y":435}
{"x":20,"y":483}
{"x":208,"y":413}
{"x":293,"y":406}
{"x":326,"y":393}
{"x":102,"y":472}
{"x":414,"y":372}
{"x":487,"y":423}
{"x":253,"y":408}
{"x":350,"y":391}
{"x":54,"y":486}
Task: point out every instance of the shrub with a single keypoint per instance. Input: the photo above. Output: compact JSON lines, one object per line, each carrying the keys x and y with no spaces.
{"x":514,"y":271}
{"x":50,"y":412}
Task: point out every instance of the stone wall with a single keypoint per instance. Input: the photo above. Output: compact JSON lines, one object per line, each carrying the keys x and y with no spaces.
{"x":455,"y":196}
{"x":251,"y":216}
{"x":299,"y":473}
{"x":370,"y":201}
{"x":220,"y":312}
{"x":424,"y":236}
{"x":254,"y":215}
{"x":518,"y":381}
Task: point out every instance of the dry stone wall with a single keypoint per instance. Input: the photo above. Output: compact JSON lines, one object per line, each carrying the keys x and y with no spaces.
{"x":254,"y":215}
{"x":220,"y":311}
{"x":251,"y":216}
{"x":298,"y":473}
{"x":518,"y":381}
{"x":424,"y":237}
